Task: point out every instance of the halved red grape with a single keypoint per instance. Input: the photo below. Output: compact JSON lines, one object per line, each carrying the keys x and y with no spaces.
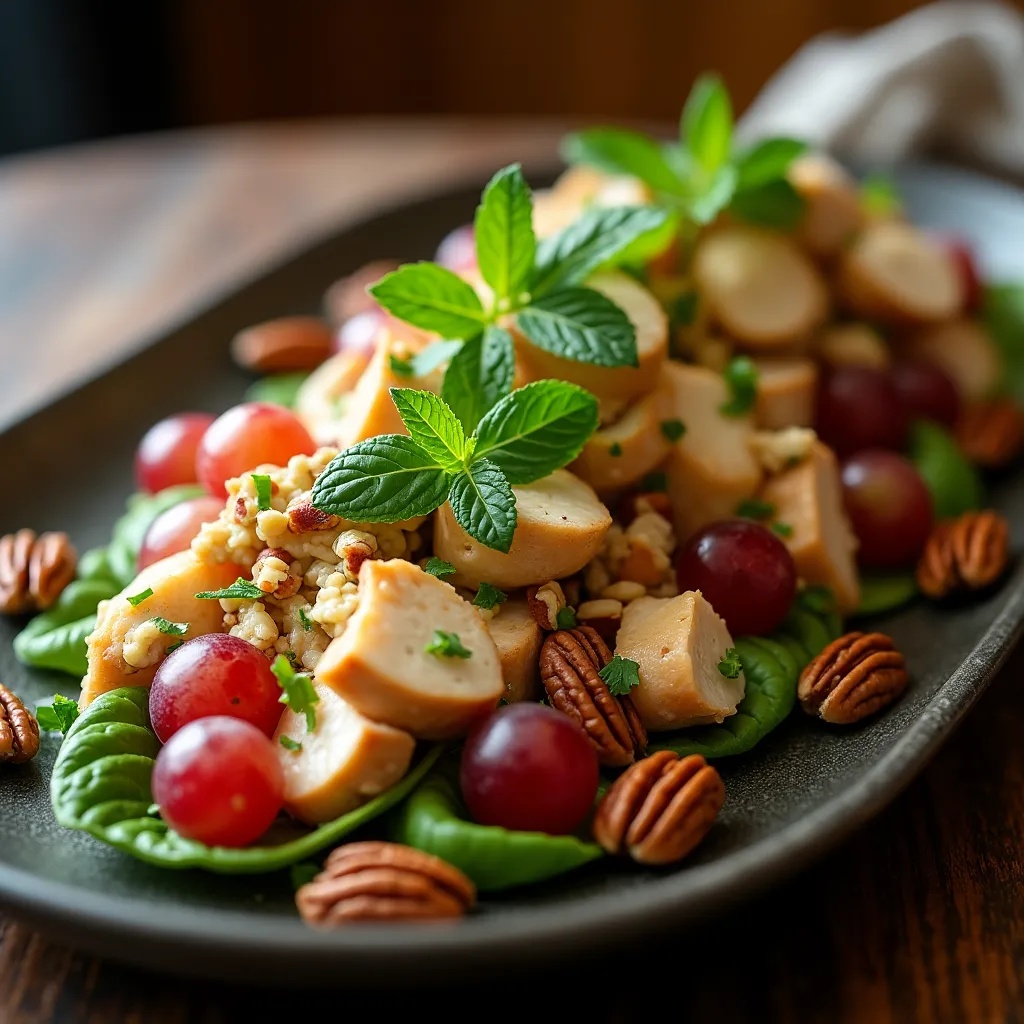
{"x":967,"y":268}
{"x":859,"y":408}
{"x":927,"y":392}
{"x":166,"y":455}
{"x":172,"y":531}
{"x":744,"y":570}
{"x":889,"y":506}
{"x":530,"y":768}
{"x":246,"y":437}
{"x":216,"y":674}
{"x":457,"y":250}
{"x":218,"y":781}
{"x":359,"y":333}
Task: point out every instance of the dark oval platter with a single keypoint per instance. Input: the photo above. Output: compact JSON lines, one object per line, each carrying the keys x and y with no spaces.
{"x":799,"y":792}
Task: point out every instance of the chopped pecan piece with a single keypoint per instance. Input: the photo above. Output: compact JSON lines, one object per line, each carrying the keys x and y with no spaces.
{"x":377,"y":881}
{"x":19,"y":731}
{"x":286,"y":345}
{"x":34,"y":570}
{"x":271,"y":572}
{"x":659,"y":809}
{"x":966,"y":553}
{"x":545,"y":602}
{"x":304,"y":518}
{"x":570,"y":666}
{"x":991,"y":434}
{"x":855,"y":676}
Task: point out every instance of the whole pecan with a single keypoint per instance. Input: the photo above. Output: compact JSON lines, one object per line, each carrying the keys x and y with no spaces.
{"x":659,"y":809}
{"x":991,"y":433}
{"x":304,"y":518}
{"x":855,"y":676}
{"x":348,"y":296}
{"x":966,"y":553}
{"x":377,"y":881}
{"x":19,"y":731}
{"x":570,"y":663}
{"x":288,"y":344}
{"x":34,"y":570}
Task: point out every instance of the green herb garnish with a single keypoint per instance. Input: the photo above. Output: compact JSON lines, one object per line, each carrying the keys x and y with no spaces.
{"x":741,"y":376}
{"x":615,"y":450}
{"x":565,"y":618}
{"x":169,"y":628}
{"x":264,"y":487}
{"x":620,"y":675}
{"x":755,"y":508}
{"x":307,"y":625}
{"x":298,"y":692}
{"x":57,"y":716}
{"x":656,"y":481}
{"x":136,"y":599}
{"x":447,"y":645}
{"x":488,"y":596}
{"x":673,"y":430}
{"x":240,"y":590}
{"x":730,"y":665}
{"x":173,"y":647}
{"x":289,"y":744}
{"x":439,"y":567}
{"x":782,"y":529}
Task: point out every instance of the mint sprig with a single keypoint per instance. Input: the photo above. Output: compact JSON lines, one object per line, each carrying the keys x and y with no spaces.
{"x":58,"y":716}
{"x":527,"y":435}
{"x":297,"y":690}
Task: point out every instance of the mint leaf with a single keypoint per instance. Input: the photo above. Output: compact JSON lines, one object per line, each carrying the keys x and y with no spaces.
{"x":730,"y":665}
{"x":774,"y":204}
{"x":505,"y":244}
{"x":582,"y":325}
{"x":479,"y":375}
{"x":615,"y":450}
{"x":240,"y":590}
{"x":169,"y":628}
{"x":297,"y":690}
{"x":439,"y":567}
{"x":136,"y":599}
{"x":741,"y":376}
{"x":264,"y":488}
{"x":780,"y":528}
{"x":432,"y":425}
{"x":537,"y":429}
{"x":484,"y":506}
{"x":565,"y":618}
{"x":400,"y":367}
{"x":433,"y":298}
{"x":623,"y":152}
{"x":488,"y":596}
{"x":620,"y":676}
{"x":58,"y":716}
{"x":714,"y":196}
{"x":755,"y":508}
{"x":289,"y":744}
{"x":705,"y":127}
{"x":595,"y":238}
{"x":447,"y":645}
{"x":424,"y":362}
{"x":672,"y":430}
{"x":381,"y":480}
{"x":767,"y":161}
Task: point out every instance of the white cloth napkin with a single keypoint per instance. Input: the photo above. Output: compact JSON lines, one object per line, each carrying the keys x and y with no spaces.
{"x":948,"y":76}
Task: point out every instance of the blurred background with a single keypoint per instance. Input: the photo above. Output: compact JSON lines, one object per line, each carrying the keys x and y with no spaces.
{"x":78,"y":70}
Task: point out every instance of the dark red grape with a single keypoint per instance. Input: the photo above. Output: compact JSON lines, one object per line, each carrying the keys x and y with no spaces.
{"x":743,"y":570}
{"x":218,"y":781}
{"x":216,"y":674}
{"x":166,"y":455}
{"x":172,"y":531}
{"x":927,"y":392}
{"x":859,"y":408}
{"x":530,"y":768}
{"x":889,"y":506}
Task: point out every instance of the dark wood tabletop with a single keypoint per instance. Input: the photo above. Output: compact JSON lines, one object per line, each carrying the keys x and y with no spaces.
{"x":919,"y":917}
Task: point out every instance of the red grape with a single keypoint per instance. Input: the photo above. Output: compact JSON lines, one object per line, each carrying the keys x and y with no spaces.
{"x":744,"y":570}
{"x":359,"y":333}
{"x":530,"y":768}
{"x":967,"y":270}
{"x":218,"y":781}
{"x":859,"y":408}
{"x":457,"y":250}
{"x":927,"y":392}
{"x":889,"y":506}
{"x":167,"y":452}
{"x":172,"y":531}
{"x":248,"y":436}
{"x":216,"y":674}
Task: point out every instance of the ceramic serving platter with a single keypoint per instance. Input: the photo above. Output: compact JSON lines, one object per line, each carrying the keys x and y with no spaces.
{"x":800,"y":791}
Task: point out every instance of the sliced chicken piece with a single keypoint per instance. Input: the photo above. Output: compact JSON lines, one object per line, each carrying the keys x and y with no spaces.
{"x":853,"y":344}
{"x":678,"y":643}
{"x":321,"y":399}
{"x":809,"y":499}
{"x":381,"y":664}
{"x":966,"y":351}
{"x":126,"y":647}
{"x":759,"y":287}
{"x":785,"y":392}
{"x":517,"y":638}
{"x":895,"y":273}
{"x":561,"y":526}
{"x":711,"y":469}
{"x":344,"y":762}
{"x":832,"y":207}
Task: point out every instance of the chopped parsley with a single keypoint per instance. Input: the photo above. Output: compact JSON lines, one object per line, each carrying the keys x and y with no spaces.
{"x":620,"y":675}
{"x":298,"y":692}
{"x":304,"y":619}
{"x":488,"y":596}
{"x":730,"y":665}
{"x":447,"y":645}
{"x":782,"y":529}
{"x":169,"y":628}
{"x":673,"y":430}
{"x":58,"y":716}
{"x":240,"y":590}
{"x":136,"y":599}
{"x":755,"y":508}
{"x":741,"y":376}
{"x":439,"y":567}
{"x":289,"y":744}
{"x":565,"y":618}
{"x":615,"y":450}
{"x":401,"y":367}
{"x":263,"y":491}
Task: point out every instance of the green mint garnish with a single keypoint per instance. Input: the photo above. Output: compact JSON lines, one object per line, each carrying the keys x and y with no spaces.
{"x":615,"y":450}
{"x":439,"y":567}
{"x":673,"y":430}
{"x":173,"y":647}
{"x":447,"y":645}
{"x":57,"y":716}
{"x":755,"y":508}
{"x":136,"y":599}
{"x":565,"y":618}
{"x":307,"y":625}
{"x":298,"y":693}
{"x":741,"y":376}
{"x":782,"y":529}
{"x":289,"y":744}
{"x":169,"y":628}
{"x":264,"y":488}
{"x":240,"y":590}
{"x":488,"y":596}
{"x":426,"y":361}
{"x":620,"y":675}
{"x":730,"y":665}
{"x":400,"y":367}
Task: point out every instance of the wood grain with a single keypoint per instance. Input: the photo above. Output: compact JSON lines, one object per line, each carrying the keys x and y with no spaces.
{"x":920,"y":917}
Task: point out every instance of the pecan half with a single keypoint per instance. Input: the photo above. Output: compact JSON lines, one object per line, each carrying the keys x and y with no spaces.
{"x":19,"y":731}
{"x":570,"y":663}
{"x":271,"y":572}
{"x":991,"y":434}
{"x":304,"y":518}
{"x":854,"y":677}
{"x":377,"y":881}
{"x":545,"y":602}
{"x":658,"y":810}
{"x":288,"y":344}
{"x":966,"y":553}
{"x":34,"y":570}
{"x":348,"y":296}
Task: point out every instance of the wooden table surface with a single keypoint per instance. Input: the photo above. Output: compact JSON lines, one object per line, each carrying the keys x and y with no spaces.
{"x":920,"y":917}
